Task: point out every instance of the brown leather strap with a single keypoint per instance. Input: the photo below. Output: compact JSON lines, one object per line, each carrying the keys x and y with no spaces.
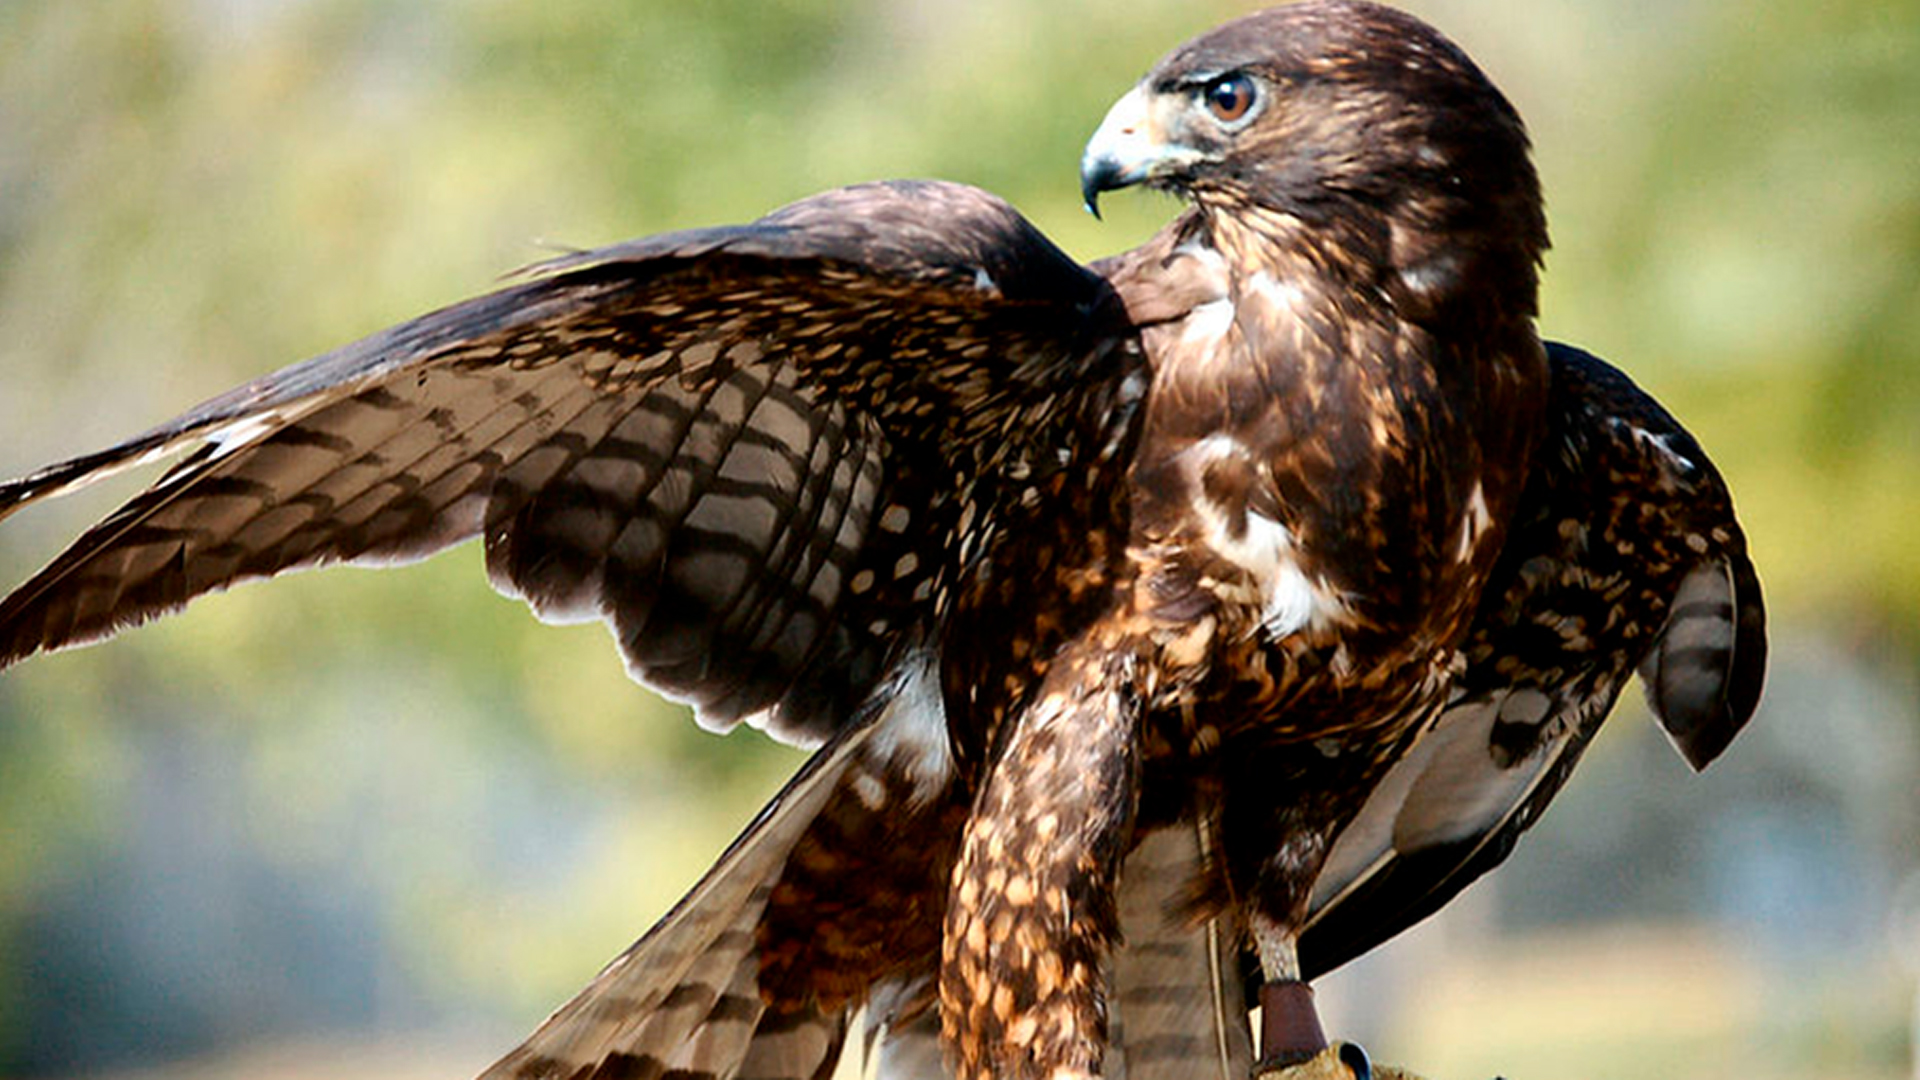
{"x":1289,"y":1024}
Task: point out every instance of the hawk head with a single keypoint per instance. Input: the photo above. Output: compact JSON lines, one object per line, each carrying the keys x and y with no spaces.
{"x":1348,"y":119}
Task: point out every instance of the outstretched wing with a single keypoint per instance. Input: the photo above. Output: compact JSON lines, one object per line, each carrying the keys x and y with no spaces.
{"x":724,"y":442}
{"x":1625,"y":555}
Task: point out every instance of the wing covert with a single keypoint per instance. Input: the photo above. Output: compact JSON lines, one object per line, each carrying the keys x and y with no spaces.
{"x":1625,"y":554}
{"x":723,"y":442}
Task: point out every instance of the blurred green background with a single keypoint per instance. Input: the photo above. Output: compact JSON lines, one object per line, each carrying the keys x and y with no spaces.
{"x":379,"y":824}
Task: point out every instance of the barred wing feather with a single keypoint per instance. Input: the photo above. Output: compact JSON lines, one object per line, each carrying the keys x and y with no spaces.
{"x":696,"y":437}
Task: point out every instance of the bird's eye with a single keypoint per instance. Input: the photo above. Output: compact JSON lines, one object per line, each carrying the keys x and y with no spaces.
{"x":1230,"y":97}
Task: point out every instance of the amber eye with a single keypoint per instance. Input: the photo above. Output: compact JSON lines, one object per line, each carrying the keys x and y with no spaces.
{"x":1229,"y":97}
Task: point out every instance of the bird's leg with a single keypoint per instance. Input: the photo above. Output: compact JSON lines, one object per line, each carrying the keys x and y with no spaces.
{"x":1031,"y":916}
{"x":1289,"y":1025}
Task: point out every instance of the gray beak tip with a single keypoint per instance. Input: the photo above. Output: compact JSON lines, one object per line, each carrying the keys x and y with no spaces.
{"x":1098,"y":175}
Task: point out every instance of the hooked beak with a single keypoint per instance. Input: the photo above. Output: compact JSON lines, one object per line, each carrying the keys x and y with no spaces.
{"x":1130,"y":147}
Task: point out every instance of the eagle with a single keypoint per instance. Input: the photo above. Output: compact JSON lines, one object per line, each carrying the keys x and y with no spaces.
{"x":1236,"y":600}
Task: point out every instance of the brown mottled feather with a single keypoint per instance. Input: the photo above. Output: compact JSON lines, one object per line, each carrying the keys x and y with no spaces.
{"x":686,"y":436}
{"x":1197,"y":574}
{"x":1625,"y":553}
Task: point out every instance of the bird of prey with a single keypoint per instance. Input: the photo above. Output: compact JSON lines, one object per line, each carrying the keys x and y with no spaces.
{"x":1250,"y":591}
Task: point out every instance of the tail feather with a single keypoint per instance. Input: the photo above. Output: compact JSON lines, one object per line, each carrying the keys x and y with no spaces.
{"x":685,"y":998}
{"x":903,"y":1034}
{"x":722,"y":1030}
{"x":1704,"y":673}
{"x":804,"y":1044}
{"x":1178,"y":1007}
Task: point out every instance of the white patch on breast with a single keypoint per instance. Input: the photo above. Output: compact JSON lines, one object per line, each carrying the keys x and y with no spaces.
{"x":1294,"y":602}
{"x":1290,"y":600}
